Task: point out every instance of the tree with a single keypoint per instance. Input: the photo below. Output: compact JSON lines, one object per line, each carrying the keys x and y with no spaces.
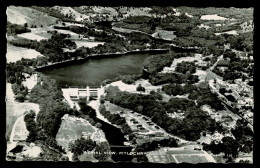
{"x":81,"y":145}
{"x":75,"y":158}
{"x":140,"y":88}
{"x":98,"y":125}
{"x":64,"y":158}
{"x":230,"y":147}
{"x":244,"y":161}
{"x":102,"y":151}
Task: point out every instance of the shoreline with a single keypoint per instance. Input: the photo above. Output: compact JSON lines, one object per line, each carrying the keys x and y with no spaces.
{"x":97,"y":56}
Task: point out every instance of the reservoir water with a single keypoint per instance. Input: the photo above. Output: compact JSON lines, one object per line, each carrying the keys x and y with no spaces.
{"x":95,"y":70}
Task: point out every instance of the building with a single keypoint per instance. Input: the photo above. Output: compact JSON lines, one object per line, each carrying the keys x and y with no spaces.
{"x":89,"y":92}
{"x":222,"y":64}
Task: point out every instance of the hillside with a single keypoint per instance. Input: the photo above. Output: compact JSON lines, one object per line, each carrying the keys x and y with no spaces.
{"x":29,"y":16}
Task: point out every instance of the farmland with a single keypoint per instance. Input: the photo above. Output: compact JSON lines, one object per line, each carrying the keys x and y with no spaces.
{"x":17,"y":53}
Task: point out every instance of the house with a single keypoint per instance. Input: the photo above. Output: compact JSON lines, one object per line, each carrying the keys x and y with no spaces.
{"x":139,"y":126}
{"x":222,"y":64}
{"x":132,"y":119}
{"x":145,"y":118}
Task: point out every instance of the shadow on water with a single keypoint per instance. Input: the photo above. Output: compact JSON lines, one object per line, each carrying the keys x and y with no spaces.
{"x":116,"y":140}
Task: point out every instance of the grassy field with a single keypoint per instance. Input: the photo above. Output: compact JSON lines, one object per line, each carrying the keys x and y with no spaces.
{"x":191,"y":158}
{"x":113,"y":108}
{"x":185,"y":152}
{"x":89,"y":44}
{"x":237,"y":13}
{"x":141,"y":27}
{"x":21,"y":15}
{"x":37,"y":33}
{"x":17,"y":53}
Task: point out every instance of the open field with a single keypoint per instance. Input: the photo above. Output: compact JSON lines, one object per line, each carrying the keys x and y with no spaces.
{"x":37,"y":34}
{"x":233,"y":32}
{"x":212,"y":17}
{"x":70,"y":11}
{"x":89,"y":44}
{"x":237,"y":13}
{"x":19,"y":131}
{"x":191,"y":158}
{"x":21,"y":15}
{"x":132,"y":87}
{"x":17,"y":53}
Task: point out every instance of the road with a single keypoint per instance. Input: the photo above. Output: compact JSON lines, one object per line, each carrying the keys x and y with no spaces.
{"x":211,"y":75}
{"x":235,"y":112}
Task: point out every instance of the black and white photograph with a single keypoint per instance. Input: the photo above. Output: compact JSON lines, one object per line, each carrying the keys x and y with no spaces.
{"x":136,"y":84}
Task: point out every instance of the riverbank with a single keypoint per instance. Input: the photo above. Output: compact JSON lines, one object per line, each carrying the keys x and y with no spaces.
{"x":98,"y":56}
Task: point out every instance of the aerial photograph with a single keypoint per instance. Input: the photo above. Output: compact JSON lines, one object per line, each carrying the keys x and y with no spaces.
{"x":154,"y":84}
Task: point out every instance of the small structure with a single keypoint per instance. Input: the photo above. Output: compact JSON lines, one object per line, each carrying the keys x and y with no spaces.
{"x":74,"y":94}
{"x":222,"y":64}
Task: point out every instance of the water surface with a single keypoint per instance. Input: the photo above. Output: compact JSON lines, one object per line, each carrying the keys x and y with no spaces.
{"x":94,"y":71}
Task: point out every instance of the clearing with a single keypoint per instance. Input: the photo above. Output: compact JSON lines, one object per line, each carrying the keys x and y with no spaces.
{"x":132,"y":87}
{"x":232,"y":32}
{"x":89,"y":44}
{"x":212,"y":17}
{"x":37,"y":34}
{"x":17,"y":53}
{"x":179,"y":60}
